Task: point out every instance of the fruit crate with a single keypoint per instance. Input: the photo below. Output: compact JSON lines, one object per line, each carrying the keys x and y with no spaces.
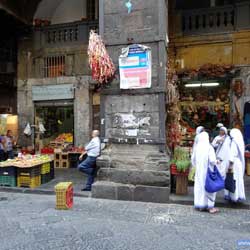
{"x":61,"y":163}
{"x":8,"y":181}
{"x":52,"y":170}
{"x":45,"y":169}
{"x":29,"y":182}
{"x":64,"y":195}
{"x":45,"y":178}
{"x":8,"y":171}
{"x":29,"y":172}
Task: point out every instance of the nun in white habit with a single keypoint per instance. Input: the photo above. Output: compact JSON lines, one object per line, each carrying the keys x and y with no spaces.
{"x":203,"y":158}
{"x":237,"y":164}
{"x":199,"y":130}
{"x":221,"y":144}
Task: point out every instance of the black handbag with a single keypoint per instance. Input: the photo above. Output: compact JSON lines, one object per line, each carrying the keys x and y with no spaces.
{"x":230,"y":182}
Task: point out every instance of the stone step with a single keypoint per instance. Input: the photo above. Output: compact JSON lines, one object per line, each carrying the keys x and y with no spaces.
{"x":135,"y":177}
{"x":129,"y":192}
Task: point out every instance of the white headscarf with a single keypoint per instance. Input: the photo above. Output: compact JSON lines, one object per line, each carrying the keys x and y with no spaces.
{"x":201,"y":151}
{"x":224,"y":129}
{"x":237,"y":137}
{"x":199,"y":130}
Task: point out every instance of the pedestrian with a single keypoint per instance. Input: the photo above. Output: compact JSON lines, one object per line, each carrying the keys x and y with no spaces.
{"x":204,"y":157}
{"x":88,"y":166}
{"x":2,"y":154}
{"x":237,"y":165}
{"x":215,"y":131}
{"x":199,"y":130}
{"x":221,"y":144}
{"x":9,"y":144}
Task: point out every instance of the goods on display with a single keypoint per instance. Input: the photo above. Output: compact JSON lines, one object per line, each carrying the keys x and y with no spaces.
{"x":103,"y":69}
{"x":66,"y":137}
{"x":26,"y":161}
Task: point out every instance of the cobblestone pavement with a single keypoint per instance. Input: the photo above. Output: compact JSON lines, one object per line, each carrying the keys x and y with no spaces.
{"x":30,"y":222}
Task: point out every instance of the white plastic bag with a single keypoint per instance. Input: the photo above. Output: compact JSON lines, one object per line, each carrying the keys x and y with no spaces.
{"x":27,"y":131}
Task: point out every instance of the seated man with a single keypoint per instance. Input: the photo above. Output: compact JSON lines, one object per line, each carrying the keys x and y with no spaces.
{"x":93,"y":150}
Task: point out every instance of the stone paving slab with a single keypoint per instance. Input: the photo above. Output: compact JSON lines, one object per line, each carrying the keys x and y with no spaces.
{"x":31,"y":222}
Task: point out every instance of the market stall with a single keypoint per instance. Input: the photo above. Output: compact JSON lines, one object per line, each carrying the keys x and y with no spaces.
{"x":27,"y":171}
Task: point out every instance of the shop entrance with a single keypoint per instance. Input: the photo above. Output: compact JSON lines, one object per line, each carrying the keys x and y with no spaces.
{"x":58,"y":121}
{"x":203,"y":103}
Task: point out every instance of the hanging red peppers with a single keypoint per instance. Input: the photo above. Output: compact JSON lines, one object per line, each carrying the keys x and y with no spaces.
{"x":103,"y":69}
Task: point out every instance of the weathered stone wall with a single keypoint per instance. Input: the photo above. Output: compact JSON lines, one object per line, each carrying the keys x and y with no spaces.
{"x":135,"y":164}
{"x":31,"y":73}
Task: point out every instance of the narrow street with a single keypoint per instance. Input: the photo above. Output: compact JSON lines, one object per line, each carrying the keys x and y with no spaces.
{"x":31,"y":222}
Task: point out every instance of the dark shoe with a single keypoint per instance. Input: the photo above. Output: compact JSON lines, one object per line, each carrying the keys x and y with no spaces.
{"x":86,"y":189}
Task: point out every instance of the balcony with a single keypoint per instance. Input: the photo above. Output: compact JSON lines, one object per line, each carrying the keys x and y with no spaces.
{"x":215,"y":19}
{"x":211,"y":20}
{"x":64,"y":34}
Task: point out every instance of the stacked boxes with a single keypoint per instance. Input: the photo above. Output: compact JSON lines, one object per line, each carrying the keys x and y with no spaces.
{"x":61,"y":160}
{"x":64,"y":195}
{"x":8,"y":176}
{"x":29,"y":177}
{"x":45,"y":173}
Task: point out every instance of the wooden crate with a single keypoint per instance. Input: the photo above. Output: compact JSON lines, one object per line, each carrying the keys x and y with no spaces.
{"x":181,"y":184}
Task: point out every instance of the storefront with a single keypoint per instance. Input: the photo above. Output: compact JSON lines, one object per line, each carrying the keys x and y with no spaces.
{"x":204,"y":97}
{"x":57,"y":113}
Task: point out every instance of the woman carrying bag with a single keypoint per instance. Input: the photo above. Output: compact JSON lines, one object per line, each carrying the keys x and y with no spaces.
{"x":236,"y":167}
{"x":203,"y":158}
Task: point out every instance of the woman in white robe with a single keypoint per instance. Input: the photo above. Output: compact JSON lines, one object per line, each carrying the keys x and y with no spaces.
{"x":199,"y":130}
{"x":237,"y":164}
{"x":221,"y":144}
{"x":203,"y":158}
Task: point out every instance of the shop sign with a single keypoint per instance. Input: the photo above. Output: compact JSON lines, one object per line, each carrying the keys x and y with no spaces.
{"x":135,"y":66}
{"x":52,"y":92}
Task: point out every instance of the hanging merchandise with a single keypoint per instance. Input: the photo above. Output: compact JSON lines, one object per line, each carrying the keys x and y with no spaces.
{"x":27,"y":131}
{"x":103,"y":69}
{"x":129,"y":6}
{"x":41,"y":128}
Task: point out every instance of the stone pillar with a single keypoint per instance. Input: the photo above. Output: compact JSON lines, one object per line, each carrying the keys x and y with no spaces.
{"x":134,"y":166}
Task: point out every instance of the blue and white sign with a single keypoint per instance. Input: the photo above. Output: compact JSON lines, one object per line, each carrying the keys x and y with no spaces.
{"x":135,"y":67}
{"x":52,"y":92}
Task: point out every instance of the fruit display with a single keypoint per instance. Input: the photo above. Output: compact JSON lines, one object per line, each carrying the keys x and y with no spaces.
{"x":65,"y":138}
{"x":26,"y":161}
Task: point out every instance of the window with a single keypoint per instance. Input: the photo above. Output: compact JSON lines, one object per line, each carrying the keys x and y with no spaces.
{"x":54,"y":66}
{"x":92,"y":9}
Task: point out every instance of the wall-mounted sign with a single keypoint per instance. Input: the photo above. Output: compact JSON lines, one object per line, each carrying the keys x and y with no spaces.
{"x":135,"y":65}
{"x":52,"y":92}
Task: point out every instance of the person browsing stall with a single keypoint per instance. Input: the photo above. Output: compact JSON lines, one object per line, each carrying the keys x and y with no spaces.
{"x":93,"y":150}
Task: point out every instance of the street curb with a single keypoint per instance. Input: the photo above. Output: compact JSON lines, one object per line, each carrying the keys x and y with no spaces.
{"x":179,"y":201}
{"x":39,"y":191}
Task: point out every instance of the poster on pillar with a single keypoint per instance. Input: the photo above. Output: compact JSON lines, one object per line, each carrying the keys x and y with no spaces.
{"x":135,"y":66}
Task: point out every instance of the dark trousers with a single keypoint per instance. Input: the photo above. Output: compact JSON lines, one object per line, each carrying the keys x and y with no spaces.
{"x":10,"y":154}
{"x":88,"y":166}
{"x":2,"y":155}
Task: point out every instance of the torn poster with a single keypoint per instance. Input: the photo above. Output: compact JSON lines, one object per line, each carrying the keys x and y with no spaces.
{"x":135,"y":66}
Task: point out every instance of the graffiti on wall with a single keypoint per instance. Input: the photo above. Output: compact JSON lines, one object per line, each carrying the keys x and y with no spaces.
{"x":132,"y":124}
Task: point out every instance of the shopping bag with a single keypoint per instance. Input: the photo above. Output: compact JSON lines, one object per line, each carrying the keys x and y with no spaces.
{"x":214,"y":181}
{"x":230,"y":182}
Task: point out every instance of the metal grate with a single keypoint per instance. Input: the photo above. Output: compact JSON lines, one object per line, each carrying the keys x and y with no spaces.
{"x":54,"y":66}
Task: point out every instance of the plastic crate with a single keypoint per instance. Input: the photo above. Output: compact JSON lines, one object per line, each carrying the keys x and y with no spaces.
{"x":8,"y":181}
{"x":64,"y":195}
{"x":45,"y":169}
{"x":52,"y":170}
{"x":8,"y":171}
{"x":29,"y":182}
{"x":29,"y":172}
{"x":45,"y":178}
